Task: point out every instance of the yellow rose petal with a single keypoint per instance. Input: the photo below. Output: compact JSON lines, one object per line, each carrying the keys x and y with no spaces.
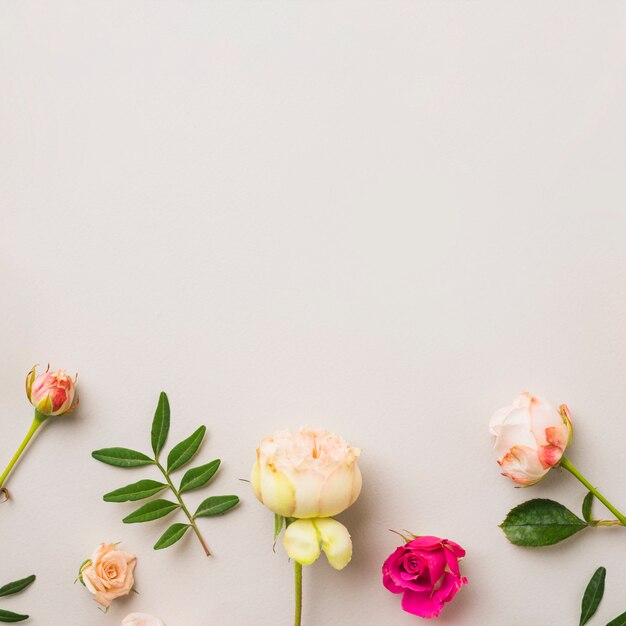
{"x":335,"y":540}
{"x":302,"y":542}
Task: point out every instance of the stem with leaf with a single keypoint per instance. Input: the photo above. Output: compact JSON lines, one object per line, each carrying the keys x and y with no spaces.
{"x":566,"y":464}
{"x":192,"y":521}
{"x":38,"y":420}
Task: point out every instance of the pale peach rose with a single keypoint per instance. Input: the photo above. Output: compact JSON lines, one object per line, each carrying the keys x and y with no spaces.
{"x":51,"y":393}
{"x":531,"y":437}
{"x":306,"y":474}
{"x":109,"y":573}
{"x":141,"y":619}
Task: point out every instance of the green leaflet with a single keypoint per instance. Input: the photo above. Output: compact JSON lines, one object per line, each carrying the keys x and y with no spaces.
{"x":8,"y":616}
{"x":136,"y":491}
{"x":618,"y":621}
{"x":8,"y":590}
{"x":279,"y":523}
{"x":216,"y":505}
{"x":16,"y":586}
{"x":593,"y":595}
{"x":540,"y":522}
{"x":160,"y":424}
{"x":587,"y":506}
{"x":121,"y":457}
{"x":198,"y":476}
{"x":185,"y":450}
{"x":173,"y":534}
{"x":151,"y":511}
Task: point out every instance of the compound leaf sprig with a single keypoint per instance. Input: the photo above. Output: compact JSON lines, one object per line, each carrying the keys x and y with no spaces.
{"x":194,"y":478}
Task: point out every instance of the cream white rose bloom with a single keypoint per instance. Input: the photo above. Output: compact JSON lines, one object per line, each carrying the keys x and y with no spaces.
{"x":531,"y":437}
{"x":306,"y":474}
{"x":141,"y":619}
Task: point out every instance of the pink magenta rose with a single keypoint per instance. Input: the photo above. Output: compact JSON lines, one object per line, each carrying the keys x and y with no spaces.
{"x":426,"y":571}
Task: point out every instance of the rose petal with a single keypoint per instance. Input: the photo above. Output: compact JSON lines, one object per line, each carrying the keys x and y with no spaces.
{"x":388,"y":582}
{"x":335,"y":541}
{"x":425,"y":542}
{"x":420,"y":603}
{"x":429,"y":605}
{"x":450,"y":585}
{"x":301,"y":541}
{"x":522,"y":465}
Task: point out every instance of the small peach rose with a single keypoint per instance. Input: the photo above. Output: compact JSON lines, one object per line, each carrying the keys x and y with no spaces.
{"x":141,"y":619}
{"x":108,"y":574}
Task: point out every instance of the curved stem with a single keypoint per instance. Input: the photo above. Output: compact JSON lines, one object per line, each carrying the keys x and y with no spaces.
{"x":569,"y":466}
{"x":298,"y":575}
{"x":37,"y":422}
{"x":192,"y":522}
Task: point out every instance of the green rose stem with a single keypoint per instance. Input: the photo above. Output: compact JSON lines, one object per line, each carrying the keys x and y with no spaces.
{"x":38,"y":420}
{"x":569,"y":466}
{"x":298,"y":573}
{"x":192,"y":521}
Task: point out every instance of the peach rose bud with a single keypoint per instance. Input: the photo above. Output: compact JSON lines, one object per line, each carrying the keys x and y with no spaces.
{"x":531,"y":437}
{"x":108,"y":574}
{"x":51,"y":393}
{"x":141,"y":619}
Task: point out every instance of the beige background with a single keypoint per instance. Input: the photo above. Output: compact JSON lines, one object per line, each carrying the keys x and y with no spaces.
{"x":385,"y":218}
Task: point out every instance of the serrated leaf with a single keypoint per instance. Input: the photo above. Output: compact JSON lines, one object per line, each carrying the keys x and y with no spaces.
{"x":618,"y":621}
{"x":216,"y":505}
{"x":198,"y":476}
{"x":185,"y":450}
{"x":279,"y":522}
{"x":16,"y":586}
{"x":8,"y":616}
{"x":173,"y":534}
{"x":540,"y":522}
{"x":587,"y":506}
{"x":592,"y":596}
{"x":160,"y":424}
{"x":151,"y":511}
{"x":136,"y":491}
{"x":121,"y":457}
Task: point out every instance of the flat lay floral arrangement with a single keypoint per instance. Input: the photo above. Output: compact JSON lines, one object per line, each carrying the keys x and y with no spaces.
{"x":306,"y":478}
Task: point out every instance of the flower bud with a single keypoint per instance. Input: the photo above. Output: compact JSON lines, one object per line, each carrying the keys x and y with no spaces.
{"x":305,"y":538}
{"x":51,"y":393}
{"x":531,"y":437}
{"x":306,"y":474}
